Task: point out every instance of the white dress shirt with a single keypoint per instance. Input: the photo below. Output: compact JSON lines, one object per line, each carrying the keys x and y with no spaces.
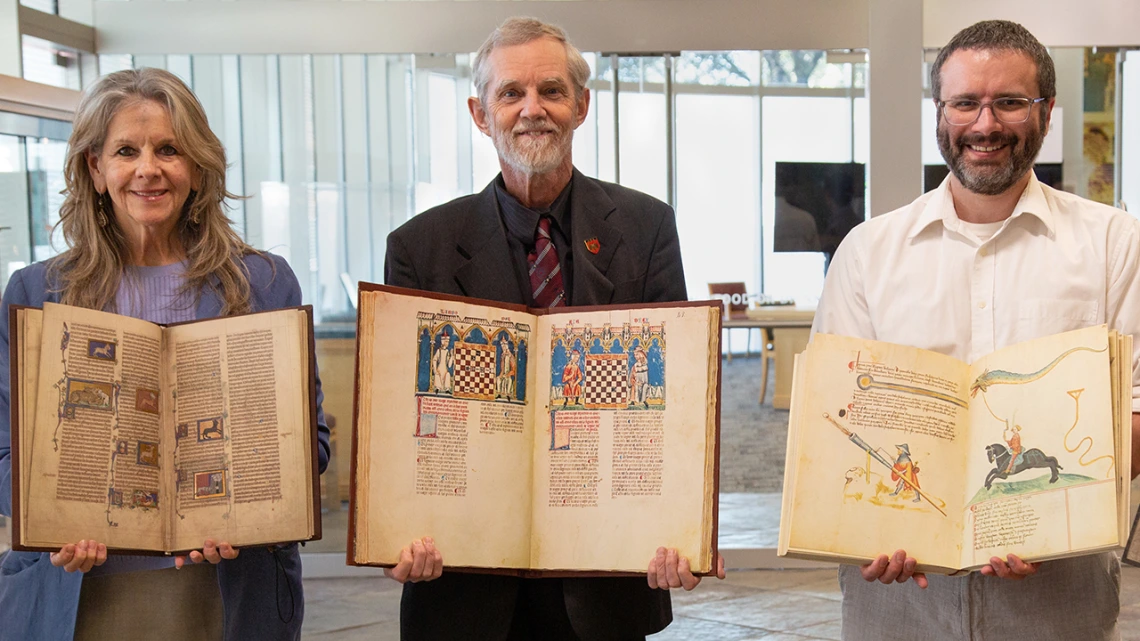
{"x":920,"y":276}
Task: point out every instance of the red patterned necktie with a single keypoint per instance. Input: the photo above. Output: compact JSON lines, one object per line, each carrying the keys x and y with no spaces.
{"x":545,"y":273}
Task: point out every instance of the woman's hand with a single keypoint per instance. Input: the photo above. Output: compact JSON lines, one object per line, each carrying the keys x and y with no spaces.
{"x":211,"y":552}
{"x":80,"y":557}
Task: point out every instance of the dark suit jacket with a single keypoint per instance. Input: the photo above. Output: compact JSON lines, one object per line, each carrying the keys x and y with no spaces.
{"x":461,"y":248}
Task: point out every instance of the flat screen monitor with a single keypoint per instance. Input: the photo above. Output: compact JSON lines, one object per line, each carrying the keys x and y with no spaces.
{"x":1047,"y":172}
{"x":817,"y":203}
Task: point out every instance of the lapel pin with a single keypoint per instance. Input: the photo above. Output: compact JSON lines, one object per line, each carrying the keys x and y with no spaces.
{"x":593,"y":246}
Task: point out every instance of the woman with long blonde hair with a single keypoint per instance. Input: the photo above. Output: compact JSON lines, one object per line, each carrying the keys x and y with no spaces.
{"x":147,"y":236}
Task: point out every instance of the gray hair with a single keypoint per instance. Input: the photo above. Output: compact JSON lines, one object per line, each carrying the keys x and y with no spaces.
{"x":998,"y":35}
{"x":519,"y":31}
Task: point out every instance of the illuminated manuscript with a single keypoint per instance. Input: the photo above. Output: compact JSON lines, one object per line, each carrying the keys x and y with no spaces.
{"x":1026,"y":451}
{"x":572,"y":440}
{"x":153,"y":438}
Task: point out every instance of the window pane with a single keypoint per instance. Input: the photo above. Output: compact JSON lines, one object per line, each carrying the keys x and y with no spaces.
{"x":718,"y":208}
{"x":809,"y":68}
{"x":46,"y":63}
{"x":641,"y":126}
{"x":799,"y":275}
{"x":112,"y":62}
{"x":719,"y":68}
{"x":14,"y":182}
{"x":47,"y":6}
{"x":45,"y":178}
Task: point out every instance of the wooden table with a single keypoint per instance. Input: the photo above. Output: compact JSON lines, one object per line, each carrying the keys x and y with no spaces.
{"x":791,"y":326}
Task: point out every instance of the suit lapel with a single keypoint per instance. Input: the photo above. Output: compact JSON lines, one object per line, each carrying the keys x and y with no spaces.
{"x":485,"y":269}
{"x":589,"y":208}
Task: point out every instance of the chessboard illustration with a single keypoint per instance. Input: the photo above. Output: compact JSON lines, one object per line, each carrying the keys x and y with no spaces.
{"x":608,"y":368}
{"x":474,"y":375}
{"x":605,"y":383}
{"x":471,"y":358}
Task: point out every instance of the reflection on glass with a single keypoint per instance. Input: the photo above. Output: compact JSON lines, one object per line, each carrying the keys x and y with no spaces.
{"x":718,"y":68}
{"x":45,"y":179}
{"x":46,"y":63}
{"x":810,"y":68}
{"x":14,"y":212}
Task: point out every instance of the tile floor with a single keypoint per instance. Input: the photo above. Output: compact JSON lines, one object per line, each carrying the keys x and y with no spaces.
{"x":753,"y":605}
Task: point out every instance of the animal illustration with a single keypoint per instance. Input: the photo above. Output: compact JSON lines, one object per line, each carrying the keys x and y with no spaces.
{"x":103,"y":351}
{"x":1002,"y":377}
{"x":90,"y":396}
{"x":999,"y":455}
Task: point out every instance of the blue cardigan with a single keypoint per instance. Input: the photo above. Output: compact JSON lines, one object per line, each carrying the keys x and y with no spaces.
{"x":40,"y":601}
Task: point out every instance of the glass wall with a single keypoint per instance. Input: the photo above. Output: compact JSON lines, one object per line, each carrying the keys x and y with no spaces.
{"x":335,"y":151}
{"x":31,"y":179}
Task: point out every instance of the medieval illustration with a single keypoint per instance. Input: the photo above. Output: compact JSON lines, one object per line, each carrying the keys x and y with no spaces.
{"x":211,"y":484}
{"x":1022,"y":459}
{"x":471,"y":358}
{"x":609,"y":368}
{"x":210,"y":429}
{"x":885,"y":479}
{"x":91,"y":393}
{"x":146,"y":400}
{"x":102,"y":350}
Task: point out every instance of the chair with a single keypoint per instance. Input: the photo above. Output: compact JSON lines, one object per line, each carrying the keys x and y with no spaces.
{"x":735,"y":298}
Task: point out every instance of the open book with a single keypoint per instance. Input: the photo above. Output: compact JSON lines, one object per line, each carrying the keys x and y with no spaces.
{"x":575,"y":439}
{"x":151,"y":439}
{"x":1026,"y":451}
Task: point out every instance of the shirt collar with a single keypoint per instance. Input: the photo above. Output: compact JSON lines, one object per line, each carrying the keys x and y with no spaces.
{"x":940,"y":208}
{"x":522,"y":221}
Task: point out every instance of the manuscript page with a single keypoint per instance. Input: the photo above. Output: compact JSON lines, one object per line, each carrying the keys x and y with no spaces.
{"x":442,"y":410}
{"x":867,"y":415}
{"x":1056,"y":394}
{"x":240,"y":439}
{"x":625,"y":435}
{"x":95,"y":449}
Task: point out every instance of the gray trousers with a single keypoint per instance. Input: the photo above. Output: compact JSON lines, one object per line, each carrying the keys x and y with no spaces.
{"x":169,"y":604}
{"x":1067,"y":600}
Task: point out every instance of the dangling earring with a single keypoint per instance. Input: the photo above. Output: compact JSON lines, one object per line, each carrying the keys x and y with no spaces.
{"x":101,"y":207}
{"x":191,"y":214}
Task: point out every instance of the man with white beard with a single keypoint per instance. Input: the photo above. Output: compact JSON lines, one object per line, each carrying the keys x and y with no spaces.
{"x":543,"y":235}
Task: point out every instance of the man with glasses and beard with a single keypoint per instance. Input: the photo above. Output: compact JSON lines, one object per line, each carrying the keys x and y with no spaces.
{"x":990,"y":258}
{"x":543,"y":235}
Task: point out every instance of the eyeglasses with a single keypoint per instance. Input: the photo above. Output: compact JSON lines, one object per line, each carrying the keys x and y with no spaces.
{"x":1008,"y":110}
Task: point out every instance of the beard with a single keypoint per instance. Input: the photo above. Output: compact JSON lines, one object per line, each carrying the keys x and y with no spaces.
{"x":530,"y":155}
{"x":992,"y":177}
